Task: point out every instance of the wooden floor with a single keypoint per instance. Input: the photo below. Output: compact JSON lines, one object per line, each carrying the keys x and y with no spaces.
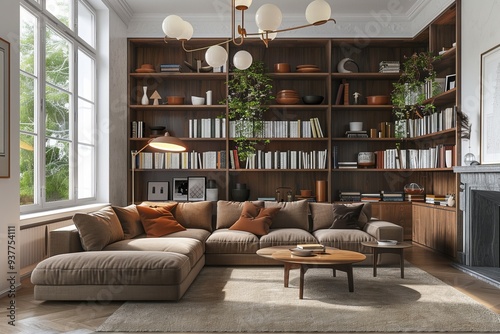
{"x":84,"y":317}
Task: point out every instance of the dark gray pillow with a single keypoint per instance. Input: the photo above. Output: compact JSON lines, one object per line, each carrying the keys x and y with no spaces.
{"x":346,"y":217}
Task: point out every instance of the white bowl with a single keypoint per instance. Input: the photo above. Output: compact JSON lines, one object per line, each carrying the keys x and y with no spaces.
{"x":355,"y":126}
{"x":196,"y":100}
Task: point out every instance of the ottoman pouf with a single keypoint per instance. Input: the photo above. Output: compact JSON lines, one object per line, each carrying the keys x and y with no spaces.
{"x":114,"y":275}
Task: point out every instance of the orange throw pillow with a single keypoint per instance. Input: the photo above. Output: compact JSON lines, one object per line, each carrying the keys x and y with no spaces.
{"x":254,"y":219}
{"x":159,"y":221}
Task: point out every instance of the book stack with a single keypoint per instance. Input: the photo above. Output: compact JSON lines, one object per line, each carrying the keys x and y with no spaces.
{"x":170,"y":68}
{"x":350,"y":196}
{"x":312,"y":247}
{"x":356,"y":134}
{"x":371,"y":197}
{"x":415,"y":197}
{"x":435,"y":199}
{"x":393,"y":196}
{"x":389,"y":66}
{"x":347,"y":164}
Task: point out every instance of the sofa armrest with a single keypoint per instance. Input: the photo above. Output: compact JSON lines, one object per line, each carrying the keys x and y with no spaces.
{"x":64,"y":240}
{"x":384,"y":230}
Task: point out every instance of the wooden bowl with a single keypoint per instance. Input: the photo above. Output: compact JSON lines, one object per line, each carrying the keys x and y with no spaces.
{"x":377,"y":99}
{"x":287,"y":100}
{"x":282,"y":68}
{"x":175,"y":100}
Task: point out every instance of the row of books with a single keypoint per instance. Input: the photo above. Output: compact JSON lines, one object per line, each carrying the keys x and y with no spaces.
{"x":389,"y":66}
{"x":137,"y":129}
{"x":439,"y":156}
{"x":438,"y":121}
{"x":180,"y":160}
{"x":280,"y":129}
{"x":382,"y":196}
{"x":170,"y":68}
{"x":287,"y":160}
{"x":207,"y":128}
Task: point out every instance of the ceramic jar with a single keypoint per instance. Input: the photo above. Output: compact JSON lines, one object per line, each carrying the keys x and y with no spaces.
{"x":366,"y":159}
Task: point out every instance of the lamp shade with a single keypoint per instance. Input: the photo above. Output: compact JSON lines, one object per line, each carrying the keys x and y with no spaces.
{"x":268,"y":17}
{"x":318,"y":12}
{"x":168,"y":143}
{"x":242,"y":60}
{"x":242,"y":4}
{"x":173,"y":26}
{"x":216,"y":56}
{"x":187,"y":31}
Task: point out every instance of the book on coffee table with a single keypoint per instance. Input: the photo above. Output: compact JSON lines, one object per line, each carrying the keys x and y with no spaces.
{"x":312,"y":247}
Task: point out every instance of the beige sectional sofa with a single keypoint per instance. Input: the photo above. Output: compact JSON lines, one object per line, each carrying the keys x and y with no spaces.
{"x":108,"y":255}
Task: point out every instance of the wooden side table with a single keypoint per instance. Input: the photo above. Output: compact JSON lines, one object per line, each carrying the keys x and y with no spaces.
{"x":394,"y":249}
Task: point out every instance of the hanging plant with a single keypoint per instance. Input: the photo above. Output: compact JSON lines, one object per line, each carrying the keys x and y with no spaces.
{"x":250,"y":91}
{"x":409,"y":93}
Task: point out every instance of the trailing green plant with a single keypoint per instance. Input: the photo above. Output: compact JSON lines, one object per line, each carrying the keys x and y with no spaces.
{"x":249,"y":93}
{"x":408,"y":94}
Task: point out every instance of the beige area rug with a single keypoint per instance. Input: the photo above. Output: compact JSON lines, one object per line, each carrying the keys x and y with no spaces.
{"x":253,"y":299}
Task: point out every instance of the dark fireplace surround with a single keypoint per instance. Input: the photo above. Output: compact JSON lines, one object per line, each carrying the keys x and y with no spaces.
{"x":479,"y":249}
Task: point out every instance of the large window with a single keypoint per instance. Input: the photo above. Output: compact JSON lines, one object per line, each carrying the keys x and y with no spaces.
{"x":58,"y":106}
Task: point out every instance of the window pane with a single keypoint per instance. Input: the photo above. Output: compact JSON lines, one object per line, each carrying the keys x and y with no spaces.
{"x":86,"y":176}
{"x":28,"y":103}
{"x":57,"y":180}
{"x":85,"y":122}
{"x":57,"y":60}
{"x":62,"y":10}
{"x":57,"y":117}
{"x":86,"y":24}
{"x":28,"y":41}
{"x":85,"y":76}
{"x":27,"y":180}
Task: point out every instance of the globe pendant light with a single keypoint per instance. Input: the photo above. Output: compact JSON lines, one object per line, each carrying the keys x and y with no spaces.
{"x":242,"y":4}
{"x":216,"y":56}
{"x":187,"y":31}
{"x":242,"y":60}
{"x":268,"y":17}
{"x":173,"y":26}
{"x":318,"y":12}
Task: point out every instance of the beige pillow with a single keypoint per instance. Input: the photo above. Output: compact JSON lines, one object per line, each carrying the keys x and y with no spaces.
{"x":228,"y":212}
{"x":194,"y":214}
{"x":130,"y":221}
{"x":322,"y":214}
{"x":98,"y":229}
{"x":291,"y":215}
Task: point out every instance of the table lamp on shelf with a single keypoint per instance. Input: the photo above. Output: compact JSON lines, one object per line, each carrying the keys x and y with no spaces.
{"x":164,"y":143}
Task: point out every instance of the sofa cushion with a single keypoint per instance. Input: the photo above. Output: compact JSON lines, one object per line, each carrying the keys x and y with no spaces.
{"x":194,"y":214}
{"x":98,"y":229}
{"x":291,"y":214}
{"x":286,"y":236}
{"x":322,"y":214}
{"x":191,"y":248}
{"x":159,"y":221}
{"x":346,"y":217}
{"x":254,"y":219}
{"x":225,"y":241}
{"x":348,"y":239}
{"x":228,"y":212}
{"x":130,"y":220}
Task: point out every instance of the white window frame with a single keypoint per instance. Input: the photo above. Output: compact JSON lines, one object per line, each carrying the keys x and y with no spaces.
{"x":46,"y":19}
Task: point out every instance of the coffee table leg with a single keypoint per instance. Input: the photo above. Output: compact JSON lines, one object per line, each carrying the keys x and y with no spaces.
{"x":350,"y":279}
{"x":402,"y":260}
{"x":286,"y":272}
{"x":375,"y":258}
{"x":301,"y":286}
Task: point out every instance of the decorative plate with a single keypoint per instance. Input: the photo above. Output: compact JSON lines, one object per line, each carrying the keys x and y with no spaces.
{"x":301,"y":252}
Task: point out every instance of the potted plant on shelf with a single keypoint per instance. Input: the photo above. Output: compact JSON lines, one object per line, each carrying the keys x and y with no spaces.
{"x":410,"y":92}
{"x":249,"y":92}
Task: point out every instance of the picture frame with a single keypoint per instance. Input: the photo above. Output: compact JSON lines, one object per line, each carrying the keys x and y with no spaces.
{"x":4,"y":108}
{"x":158,"y":191}
{"x":180,"y":189}
{"x":490,"y":103}
{"x":196,"y":188}
{"x":450,"y":82}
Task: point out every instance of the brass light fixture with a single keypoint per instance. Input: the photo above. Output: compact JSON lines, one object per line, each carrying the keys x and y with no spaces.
{"x":268,"y":19}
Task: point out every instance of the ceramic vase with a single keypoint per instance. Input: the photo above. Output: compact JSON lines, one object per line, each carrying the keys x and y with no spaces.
{"x":145,"y":100}
{"x":240,"y":193}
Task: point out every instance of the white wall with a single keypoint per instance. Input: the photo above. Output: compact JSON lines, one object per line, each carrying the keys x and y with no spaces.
{"x":9,"y":188}
{"x":479,"y":33}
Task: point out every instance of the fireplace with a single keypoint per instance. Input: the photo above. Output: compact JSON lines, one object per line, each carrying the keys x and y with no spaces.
{"x":479,"y":249}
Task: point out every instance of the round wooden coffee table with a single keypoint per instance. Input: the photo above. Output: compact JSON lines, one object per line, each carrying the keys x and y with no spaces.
{"x":332,"y":258}
{"x":395,"y":249}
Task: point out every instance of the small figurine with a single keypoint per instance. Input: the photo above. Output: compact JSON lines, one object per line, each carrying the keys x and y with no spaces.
{"x":356,"y":96}
{"x":155,"y":97}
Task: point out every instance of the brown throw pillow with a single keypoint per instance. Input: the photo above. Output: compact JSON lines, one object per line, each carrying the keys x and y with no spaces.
{"x":159,"y":221}
{"x":255,"y":219}
{"x":346,"y":217}
{"x":130,"y":220}
{"x":98,"y":229}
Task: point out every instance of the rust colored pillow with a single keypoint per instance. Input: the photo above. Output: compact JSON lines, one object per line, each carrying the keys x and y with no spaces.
{"x":159,"y":221}
{"x":255,"y":219}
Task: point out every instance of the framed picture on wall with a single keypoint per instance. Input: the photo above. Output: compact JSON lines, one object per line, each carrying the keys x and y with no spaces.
{"x":180,"y":189}
{"x":158,"y":191}
{"x":196,"y":188}
{"x":490,"y":106}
